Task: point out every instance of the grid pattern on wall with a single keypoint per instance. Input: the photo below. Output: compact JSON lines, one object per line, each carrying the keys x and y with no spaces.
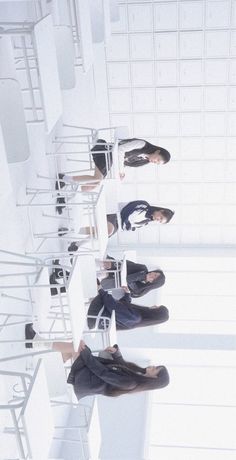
{"x":200,"y":294}
{"x":192,"y":422}
{"x":171,"y":71}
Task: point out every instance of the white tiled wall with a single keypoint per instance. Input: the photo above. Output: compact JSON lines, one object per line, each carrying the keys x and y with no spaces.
{"x":171,"y":69}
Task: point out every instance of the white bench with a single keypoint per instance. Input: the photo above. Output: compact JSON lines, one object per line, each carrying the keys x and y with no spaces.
{"x":33,"y":426}
{"x":43,"y":55}
{"x":12,"y":120}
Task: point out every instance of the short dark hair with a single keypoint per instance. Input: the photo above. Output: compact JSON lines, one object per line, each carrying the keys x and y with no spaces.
{"x":168,"y":213}
{"x":164,"y":154}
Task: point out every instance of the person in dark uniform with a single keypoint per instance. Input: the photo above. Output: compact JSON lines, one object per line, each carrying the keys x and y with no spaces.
{"x":110,"y":375}
{"x":139,"y":279}
{"x":113,"y":376}
{"x":128,"y":315}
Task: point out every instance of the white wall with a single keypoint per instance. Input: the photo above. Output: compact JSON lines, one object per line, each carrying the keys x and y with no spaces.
{"x":197,"y":344}
{"x":200,"y":295}
{"x":194,"y":417}
{"x":171,"y":76}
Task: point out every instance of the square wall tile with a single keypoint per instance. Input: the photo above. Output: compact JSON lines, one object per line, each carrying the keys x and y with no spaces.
{"x":140,"y":18}
{"x":142,"y":73}
{"x":118,"y":74}
{"x":141,"y":46}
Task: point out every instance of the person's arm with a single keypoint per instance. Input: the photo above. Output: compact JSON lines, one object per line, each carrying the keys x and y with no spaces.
{"x":133,"y":267}
{"x":127,"y":147}
{"x":136,"y":217}
{"x":106,"y":374}
{"x":126,"y":298}
{"x":129,"y":209}
{"x":138,"y":276}
{"x":108,"y":301}
{"x":116,"y":353}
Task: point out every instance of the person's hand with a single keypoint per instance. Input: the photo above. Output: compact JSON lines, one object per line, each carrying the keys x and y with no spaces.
{"x":122,"y":175}
{"x":111,"y":349}
{"x":126,"y":289}
{"x":82,"y":346}
{"x":107,"y":265}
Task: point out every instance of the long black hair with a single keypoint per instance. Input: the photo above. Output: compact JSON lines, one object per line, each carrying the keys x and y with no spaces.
{"x":150,"y":316}
{"x":164,"y":154}
{"x":137,"y":373}
{"x":148,"y":149}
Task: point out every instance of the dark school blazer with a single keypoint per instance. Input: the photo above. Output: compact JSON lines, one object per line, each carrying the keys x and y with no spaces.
{"x":91,"y":375}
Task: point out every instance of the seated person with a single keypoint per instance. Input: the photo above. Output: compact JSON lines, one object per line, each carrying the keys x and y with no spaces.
{"x":132,"y":153}
{"x":134,"y":215}
{"x":139,"y":213}
{"x":128,"y":315}
{"x":139,"y":279}
{"x":110,"y":376}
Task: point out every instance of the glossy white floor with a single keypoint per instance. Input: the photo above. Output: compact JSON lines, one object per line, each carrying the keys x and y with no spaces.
{"x":199,"y":338}
{"x":15,"y":233}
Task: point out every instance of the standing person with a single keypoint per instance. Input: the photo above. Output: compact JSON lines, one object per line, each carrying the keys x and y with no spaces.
{"x":131,"y":152}
{"x":110,"y":376}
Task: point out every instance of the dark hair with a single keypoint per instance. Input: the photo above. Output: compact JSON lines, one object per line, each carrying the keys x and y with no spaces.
{"x":151,"y":316}
{"x":164,"y":154}
{"x":138,"y":289}
{"x":167,"y":213}
{"x":137,"y":373}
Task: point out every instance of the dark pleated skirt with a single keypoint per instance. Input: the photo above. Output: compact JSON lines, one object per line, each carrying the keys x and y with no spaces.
{"x":100,"y":158}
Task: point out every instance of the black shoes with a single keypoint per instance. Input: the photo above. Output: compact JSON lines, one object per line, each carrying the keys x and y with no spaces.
{"x":60,"y":201}
{"x":62,"y":231}
{"x":73,"y":247}
{"x":53,"y":280}
{"x":29,"y":334}
{"x":60,"y":183}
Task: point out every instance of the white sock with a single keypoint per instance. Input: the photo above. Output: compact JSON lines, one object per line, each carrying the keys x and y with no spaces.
{"x":71,"y":184}
{"x":37,"y":342}
{"x":68,"y":179}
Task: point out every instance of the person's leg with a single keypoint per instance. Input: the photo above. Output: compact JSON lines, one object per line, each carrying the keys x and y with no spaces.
{"x":110,"y":229}
{"x":87,"y":230}
{"x":66,"y":349}
{"x":98,"y":177}
{"x":108,"y":282}
{"x":106,"y":265}
{"x":112,"y":224}
{"x":94,"y":308}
